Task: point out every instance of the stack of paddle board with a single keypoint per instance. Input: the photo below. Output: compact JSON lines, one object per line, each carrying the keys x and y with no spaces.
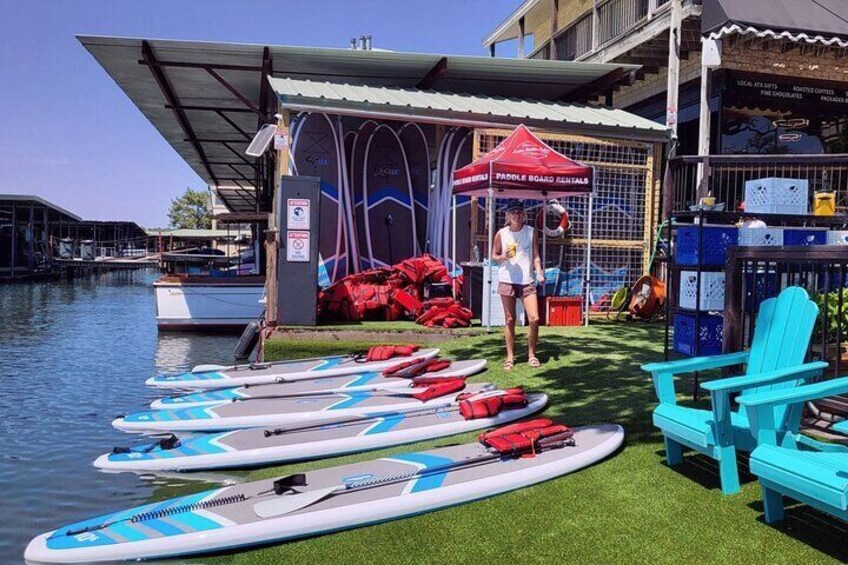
{"x":306,"y":409}
{"x":271,"y":413}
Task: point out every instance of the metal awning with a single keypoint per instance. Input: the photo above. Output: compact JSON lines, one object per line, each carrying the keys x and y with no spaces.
{"x":460,"y":109}
{"x":60,"y":212}
{"x":237,"y":199}
{"x":208,"y":99}
{"x":810,"y":21}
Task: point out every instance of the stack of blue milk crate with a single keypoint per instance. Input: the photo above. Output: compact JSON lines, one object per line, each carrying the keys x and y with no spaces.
{"x":698,"y":321}
{"x":700,"y":255}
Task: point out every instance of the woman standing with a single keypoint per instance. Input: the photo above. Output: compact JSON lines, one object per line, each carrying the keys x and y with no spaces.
{"x":516,"y":249}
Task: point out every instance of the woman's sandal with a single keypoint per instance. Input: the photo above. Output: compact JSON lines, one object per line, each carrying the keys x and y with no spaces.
{"x":534,"y":362}
{"x":508,"y":365}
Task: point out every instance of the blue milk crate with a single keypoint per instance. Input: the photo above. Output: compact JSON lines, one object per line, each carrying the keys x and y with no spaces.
{"x":709,"y":334}
{"x":715,"y":240}
{"x":804,"y":237}
{"x":758,"y":287}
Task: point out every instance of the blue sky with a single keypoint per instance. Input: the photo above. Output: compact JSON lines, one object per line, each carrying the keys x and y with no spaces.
{"x":69,"y":134}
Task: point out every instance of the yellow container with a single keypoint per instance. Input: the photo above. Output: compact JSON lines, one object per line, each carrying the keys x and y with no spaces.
{"x":824,"y":204}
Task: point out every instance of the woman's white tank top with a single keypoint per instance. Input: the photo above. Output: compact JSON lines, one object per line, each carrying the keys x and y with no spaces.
{"x":516,"y":270}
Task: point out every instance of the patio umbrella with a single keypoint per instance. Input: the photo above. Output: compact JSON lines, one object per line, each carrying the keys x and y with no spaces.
{"x":523,"y":166}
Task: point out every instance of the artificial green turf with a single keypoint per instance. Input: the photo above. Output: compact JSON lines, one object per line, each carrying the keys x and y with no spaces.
{"x":631,"y":508}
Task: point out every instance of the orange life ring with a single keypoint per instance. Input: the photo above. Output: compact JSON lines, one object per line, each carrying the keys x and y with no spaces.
{"x":564,"y":221}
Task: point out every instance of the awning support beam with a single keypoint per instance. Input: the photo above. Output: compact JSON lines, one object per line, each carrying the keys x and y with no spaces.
{"x":234,"y":91}
{"x":168,"y":91}
{"x":435,"y":73}
{"x":235,"y":126}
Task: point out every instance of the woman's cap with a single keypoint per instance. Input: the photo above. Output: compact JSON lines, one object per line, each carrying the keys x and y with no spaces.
{"x":514,"y":206}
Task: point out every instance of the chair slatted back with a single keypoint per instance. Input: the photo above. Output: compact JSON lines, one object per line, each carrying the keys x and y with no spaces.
{"x":781,"y":337}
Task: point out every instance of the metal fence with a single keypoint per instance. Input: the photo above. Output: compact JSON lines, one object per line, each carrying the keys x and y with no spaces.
{"x":756,"y":273}
{"x":724,"y":177}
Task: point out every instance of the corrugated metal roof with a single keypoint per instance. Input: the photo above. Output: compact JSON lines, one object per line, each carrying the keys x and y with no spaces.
{"x":41,"y":201}
{"x":473,"y":110}
{"x":224,"y":124}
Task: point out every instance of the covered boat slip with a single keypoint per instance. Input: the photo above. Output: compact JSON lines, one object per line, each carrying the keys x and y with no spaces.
{"x":208,"y":99}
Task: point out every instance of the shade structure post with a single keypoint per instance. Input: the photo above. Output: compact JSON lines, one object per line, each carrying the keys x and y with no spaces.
{"x":587,"y":276}
{"x":544,"y":237}
{"x":491,"y":205}
{"x":453,"y":245}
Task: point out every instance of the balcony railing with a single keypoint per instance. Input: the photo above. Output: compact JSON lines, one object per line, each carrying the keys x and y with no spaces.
{"x":617,"y":16}
{"x":576,"y":40}
{"x":615,"y":19}
{"x":724,"y":176}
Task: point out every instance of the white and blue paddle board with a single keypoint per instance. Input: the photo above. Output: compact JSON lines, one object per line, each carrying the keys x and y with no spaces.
{"x":280,"y":411}
{"x":329,"y":500}
{"x":209,"y":377}
{"x":345,"y":383}
{"x":261,"y":446}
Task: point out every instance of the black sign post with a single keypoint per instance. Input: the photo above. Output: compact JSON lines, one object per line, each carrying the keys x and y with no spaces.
{"x":297,"y":262}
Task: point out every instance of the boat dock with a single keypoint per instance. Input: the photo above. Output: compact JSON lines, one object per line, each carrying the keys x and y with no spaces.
{"x":40,"y":240}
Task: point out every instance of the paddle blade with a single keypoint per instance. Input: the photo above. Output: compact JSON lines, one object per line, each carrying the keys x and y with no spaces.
{"x":291,"y":502}
{"x":207,"y":368}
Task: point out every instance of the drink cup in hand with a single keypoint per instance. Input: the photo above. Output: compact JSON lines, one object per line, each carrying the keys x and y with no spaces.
{"x":510,"y":250}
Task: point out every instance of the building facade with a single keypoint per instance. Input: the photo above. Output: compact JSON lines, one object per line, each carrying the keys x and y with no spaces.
{"x":773,"y":73}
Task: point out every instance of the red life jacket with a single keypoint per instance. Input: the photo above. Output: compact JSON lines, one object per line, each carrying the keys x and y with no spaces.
{"x":525,"y":437}
{"x":386,"y":352}
{"x":437,"y":387}
{"x":411,"y":369}
{"x":473,"y":406}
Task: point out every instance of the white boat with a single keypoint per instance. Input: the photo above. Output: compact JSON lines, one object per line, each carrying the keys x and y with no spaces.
{"x":208,"y":303}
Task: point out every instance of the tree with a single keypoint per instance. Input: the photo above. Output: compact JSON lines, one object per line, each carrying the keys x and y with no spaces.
{"x":192,"y":210}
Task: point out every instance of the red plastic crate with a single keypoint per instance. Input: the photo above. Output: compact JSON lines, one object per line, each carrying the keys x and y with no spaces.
{"x":564,"y":311}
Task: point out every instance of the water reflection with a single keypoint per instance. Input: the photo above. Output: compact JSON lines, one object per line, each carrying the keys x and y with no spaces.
{"x":73,"y":355}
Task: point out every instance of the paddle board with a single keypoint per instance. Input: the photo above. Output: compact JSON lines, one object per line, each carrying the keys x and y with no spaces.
{"x":317,"y":153}
{"x":267,"y":373}
{"x":347,"y":383}
{"x":417,"y":151}
{"x":388,"y":212}
{"x":254,"y":446}
{"x":249,"y":514}
{"x":277,"y":411}
{"x":355,"y":176}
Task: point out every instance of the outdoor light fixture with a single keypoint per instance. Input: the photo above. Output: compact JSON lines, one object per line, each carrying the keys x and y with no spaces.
{"x":261,"y":140}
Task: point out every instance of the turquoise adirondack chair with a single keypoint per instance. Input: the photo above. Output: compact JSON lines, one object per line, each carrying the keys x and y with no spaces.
{"x":782,"y":459}
{"x":775,"y":361}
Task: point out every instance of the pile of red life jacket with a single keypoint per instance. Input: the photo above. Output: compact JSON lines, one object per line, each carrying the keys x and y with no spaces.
{"x":416,"y":367}
{"x":394,"y":293}
{"x":487,"y":405}
{"x":434,"y":387}
{"x":386,"y":352}
{"x":526,"y":438}
{"x":445,"y":312}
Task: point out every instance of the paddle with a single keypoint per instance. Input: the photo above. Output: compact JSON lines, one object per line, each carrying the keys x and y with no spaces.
{"x":256,"y":366}
{"x":388,"y":390}
{"x":289,"y":500}
{"x":353,"y":419}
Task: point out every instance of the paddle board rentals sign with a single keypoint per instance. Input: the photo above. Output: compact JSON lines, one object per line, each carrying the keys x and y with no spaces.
{"x":297,"y":246}
{"x":298,"y":213}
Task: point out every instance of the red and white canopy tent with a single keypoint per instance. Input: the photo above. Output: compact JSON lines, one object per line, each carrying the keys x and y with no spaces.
{"x":525,"y":167}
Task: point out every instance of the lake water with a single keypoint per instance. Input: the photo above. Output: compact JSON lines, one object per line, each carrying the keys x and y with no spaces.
{"x":73,"y":356}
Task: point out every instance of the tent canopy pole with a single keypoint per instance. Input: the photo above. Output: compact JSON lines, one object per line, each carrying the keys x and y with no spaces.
{"x":587,"y":279}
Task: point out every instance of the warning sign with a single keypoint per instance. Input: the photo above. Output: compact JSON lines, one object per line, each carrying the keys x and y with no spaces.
{"x":298,"y":214}
{"x":297,"y":246}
